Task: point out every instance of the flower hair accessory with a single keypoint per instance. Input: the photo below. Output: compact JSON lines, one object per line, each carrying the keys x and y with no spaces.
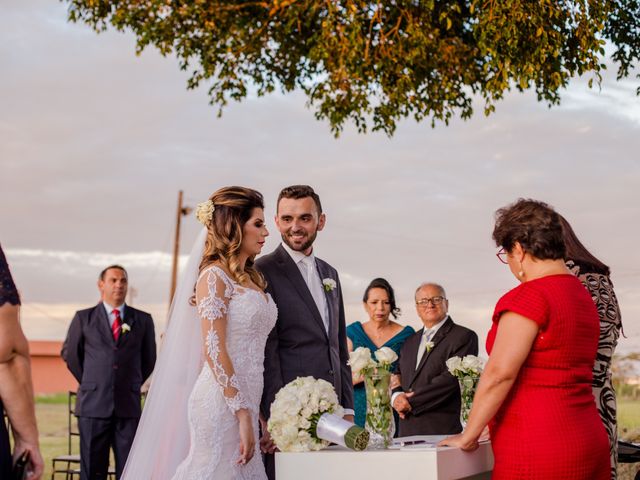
{"x":204,"y":212}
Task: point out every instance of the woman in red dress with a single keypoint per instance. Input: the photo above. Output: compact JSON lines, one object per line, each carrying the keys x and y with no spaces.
{"x":535,"y":392}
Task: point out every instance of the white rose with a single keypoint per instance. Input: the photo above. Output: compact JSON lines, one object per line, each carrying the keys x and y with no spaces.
{"x":454,"y":364}
{"x":472,"y":364}
{"x":386,"y":356}
{"x":360,"y":359}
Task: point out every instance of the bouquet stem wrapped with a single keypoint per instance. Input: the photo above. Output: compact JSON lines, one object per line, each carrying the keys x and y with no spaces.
{"x":336,"y":429}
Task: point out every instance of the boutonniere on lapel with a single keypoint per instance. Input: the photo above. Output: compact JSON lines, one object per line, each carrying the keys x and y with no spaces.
{"x":429,"y":346}
{"x":329,"y":284}
{"x":125,"y":327}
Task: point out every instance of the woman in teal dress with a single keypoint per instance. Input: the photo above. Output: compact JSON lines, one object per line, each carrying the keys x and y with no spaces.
{"x":380,"y":331}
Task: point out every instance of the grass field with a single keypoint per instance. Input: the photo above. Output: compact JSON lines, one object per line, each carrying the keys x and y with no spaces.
{"x":628,"y":415}
{"x":52,"y":421}
{"x":51,"y":412}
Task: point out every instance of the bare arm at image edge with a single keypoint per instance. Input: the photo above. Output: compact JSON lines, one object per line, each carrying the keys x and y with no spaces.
{"x":16,"y":389}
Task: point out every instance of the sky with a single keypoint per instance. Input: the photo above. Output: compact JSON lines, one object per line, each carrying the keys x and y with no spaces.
{"x":96,"y":142}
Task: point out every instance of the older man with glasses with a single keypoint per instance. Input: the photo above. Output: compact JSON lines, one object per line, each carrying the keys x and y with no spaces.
{"x":428,"y":400}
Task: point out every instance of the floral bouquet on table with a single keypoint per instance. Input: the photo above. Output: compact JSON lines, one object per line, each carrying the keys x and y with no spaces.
{"x":377,"y":378}
{"x":467,"y":370}
{"x":306,"y":415}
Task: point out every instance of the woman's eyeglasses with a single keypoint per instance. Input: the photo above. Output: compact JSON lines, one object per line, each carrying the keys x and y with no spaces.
{"x":502,"y":256}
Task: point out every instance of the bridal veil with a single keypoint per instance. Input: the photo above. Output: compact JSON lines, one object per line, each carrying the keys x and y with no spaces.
{"x":162,"y":438}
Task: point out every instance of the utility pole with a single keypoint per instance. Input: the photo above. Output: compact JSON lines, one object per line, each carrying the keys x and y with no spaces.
{"x":182,"y":210}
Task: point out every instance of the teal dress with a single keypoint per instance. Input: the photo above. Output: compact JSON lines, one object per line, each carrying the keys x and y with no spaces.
{"x":357,"y":336}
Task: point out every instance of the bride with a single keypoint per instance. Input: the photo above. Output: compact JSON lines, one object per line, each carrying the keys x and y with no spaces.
{"x":200,"y":419}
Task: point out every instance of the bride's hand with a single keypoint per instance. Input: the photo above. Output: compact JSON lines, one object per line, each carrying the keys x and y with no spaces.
{"x":247,"y":437}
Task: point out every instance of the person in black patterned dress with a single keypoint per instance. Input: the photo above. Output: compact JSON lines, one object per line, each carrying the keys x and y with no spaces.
{"x":594,"y":275}
{"x":16,"y":390}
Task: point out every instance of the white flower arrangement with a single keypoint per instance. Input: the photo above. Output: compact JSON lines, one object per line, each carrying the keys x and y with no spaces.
{"x":377,"y":376}
{"x":298,"y":409}
{"x":204,"y":212}
{"x":467,"y":370}
{"x":429,"y":346}
{"x":362,"y":362}
{"x":329,"y":284}
{"x":125,"y":327}
{"x":469,"y":366}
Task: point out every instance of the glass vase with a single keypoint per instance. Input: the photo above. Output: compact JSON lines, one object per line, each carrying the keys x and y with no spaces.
{"x":468,"y":387}
{"x":379,"y":422}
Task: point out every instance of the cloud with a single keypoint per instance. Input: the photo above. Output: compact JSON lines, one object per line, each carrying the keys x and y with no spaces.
{"x":95,"y":144}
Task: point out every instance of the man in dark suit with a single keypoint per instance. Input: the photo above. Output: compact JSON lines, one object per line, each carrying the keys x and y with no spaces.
{"x":111,"y":350}
{"x":428,"y":400}
{"x":309,"y":338}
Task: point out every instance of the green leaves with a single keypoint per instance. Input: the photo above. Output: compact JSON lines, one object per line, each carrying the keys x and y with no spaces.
{"x":374,"y":63}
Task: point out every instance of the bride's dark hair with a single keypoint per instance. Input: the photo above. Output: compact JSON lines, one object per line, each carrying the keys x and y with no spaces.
{"x":233,"y":208}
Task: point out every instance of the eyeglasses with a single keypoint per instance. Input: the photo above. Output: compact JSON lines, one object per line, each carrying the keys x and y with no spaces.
{"x":423,"y":302}
{"x":502,"y":256}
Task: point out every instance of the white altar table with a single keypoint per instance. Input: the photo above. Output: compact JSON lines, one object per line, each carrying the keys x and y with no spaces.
{"x":411,"y":462}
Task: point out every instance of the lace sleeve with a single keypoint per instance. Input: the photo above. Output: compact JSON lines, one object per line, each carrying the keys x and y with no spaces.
{"x":213,"y":293}
{"x":8,"y":291}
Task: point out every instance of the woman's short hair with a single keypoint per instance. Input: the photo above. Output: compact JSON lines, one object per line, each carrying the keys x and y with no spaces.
{"x":534,"y":225}
{"x":386,"y":286}
{"x":233,"y":207}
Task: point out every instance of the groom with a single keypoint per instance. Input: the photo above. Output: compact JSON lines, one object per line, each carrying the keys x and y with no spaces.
{"x":309,"y":338}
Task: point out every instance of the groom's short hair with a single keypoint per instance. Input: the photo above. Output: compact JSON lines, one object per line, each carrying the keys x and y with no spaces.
{"x":300,"y":191}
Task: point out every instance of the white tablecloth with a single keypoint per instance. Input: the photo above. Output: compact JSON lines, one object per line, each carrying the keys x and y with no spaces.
{"x":415,"y":462}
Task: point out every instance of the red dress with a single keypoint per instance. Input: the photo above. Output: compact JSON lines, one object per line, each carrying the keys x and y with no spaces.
{"x":548,"y":426}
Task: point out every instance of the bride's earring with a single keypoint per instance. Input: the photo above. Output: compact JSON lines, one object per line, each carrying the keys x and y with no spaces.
{"x":521,"y":271}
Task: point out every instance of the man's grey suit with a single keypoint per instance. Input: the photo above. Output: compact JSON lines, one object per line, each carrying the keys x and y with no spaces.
{"x":435,"y":406}
{"x":110,"y":375}
{"x":298,"y":345}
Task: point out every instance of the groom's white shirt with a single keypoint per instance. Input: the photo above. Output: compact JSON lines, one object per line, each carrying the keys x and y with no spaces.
{"x":312,"y":279}
{"x":299,"y":258}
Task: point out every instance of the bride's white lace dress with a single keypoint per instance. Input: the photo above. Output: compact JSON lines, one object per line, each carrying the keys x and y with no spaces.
{"x":241,"y":318}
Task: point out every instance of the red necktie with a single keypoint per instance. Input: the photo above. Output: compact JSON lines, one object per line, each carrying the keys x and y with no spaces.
{"x":115,"y":328}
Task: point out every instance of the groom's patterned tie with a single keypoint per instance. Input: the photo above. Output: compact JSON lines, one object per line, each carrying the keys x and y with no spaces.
{"x":115,"y":327}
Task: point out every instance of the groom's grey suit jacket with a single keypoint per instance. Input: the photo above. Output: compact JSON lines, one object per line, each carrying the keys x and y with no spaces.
{"x":299,"y":345}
